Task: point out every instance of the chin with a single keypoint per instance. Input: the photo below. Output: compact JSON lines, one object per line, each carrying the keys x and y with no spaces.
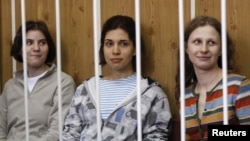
{"x":36,"y":65}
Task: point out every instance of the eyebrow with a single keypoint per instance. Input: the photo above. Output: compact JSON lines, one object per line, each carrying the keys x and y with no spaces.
{"x":123,"y":40}
{"x":38,"y":40}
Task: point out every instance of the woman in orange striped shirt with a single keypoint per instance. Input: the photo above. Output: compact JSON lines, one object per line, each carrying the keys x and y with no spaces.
{"x":203,"y":80}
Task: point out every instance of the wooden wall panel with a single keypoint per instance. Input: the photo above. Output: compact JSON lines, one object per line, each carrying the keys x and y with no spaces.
{"x":160,"y":31}
{"x":77,"y":39}
{"x":159,"y":19}
{"x":208,"y":7}
{"x":238,"y":23}
{"x":5,"y":25}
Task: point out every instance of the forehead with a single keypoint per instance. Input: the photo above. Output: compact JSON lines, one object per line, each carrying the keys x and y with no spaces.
{"x":117,"y":34}
{"x":34,"y":34}
{"x":205,"y":31}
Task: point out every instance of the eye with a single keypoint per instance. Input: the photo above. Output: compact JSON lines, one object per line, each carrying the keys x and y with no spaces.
{"x":29,"y":42}
{"x":42,"y":42}
{"x":124,"y":44}
{"x":211,"y":43}
{"x":197,"y":41}
{"x":108,"y":43}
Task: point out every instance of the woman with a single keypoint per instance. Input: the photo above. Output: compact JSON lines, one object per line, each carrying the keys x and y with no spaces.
{"x":42,"y":89}
{"x":203,"y":80}
{"x":118,"y":100}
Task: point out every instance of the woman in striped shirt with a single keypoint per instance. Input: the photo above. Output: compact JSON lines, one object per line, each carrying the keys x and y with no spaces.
{"x":118,"y":96}
{"x":203,"y":80}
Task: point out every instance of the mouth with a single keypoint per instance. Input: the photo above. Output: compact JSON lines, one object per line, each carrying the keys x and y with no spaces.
{"x":203,"y":57}
{"x":116,"y":60}
{"x":36,"y":56}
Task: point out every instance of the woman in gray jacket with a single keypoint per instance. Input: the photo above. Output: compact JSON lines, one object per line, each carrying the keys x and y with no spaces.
{"x":42,"y":89}
{"x":118,"y":100}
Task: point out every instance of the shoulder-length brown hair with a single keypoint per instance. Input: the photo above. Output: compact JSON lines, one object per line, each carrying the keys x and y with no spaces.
{"x":16,"y":50}
{"x":190,"y":76}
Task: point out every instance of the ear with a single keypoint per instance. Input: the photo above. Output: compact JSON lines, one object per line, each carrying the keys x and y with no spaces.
{"x":186,"y":48}
{"x":220,"y":52}
{"x":20,"y":52}
{"x":134,"y":52}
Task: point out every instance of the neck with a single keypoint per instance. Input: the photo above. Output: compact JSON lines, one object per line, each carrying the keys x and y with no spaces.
{"x":117,"y":75}
{"x":208,"y":79}
{"x":35,"y":71}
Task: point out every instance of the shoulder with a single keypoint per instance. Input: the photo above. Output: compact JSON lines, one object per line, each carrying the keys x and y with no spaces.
{"x":53,"y":72}
{"x":83,"y":89}
{"x":65,"y":75}
{"x":236,"y":76}
{"x":149,"y":81}
{"x":17,"y":78}
{"x":152,"y":87}
{"x":89,"y":82}
{"x":10,"y":82}
{"x":233,"y":77}
{"x":240,"y":80}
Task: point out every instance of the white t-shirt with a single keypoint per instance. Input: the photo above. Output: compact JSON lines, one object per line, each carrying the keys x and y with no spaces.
{"x":32,"y":81}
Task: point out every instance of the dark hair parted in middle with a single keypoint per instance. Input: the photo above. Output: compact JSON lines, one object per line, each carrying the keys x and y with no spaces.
{"x":125,"y":23}
{"x":16,"y":50}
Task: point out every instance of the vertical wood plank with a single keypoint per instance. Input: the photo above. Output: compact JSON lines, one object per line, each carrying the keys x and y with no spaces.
{"x":5,"y":25}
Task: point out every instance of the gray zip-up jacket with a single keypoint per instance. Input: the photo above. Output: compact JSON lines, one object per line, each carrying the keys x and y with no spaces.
{"x":42,"y":107}
{"x":121,"y":125}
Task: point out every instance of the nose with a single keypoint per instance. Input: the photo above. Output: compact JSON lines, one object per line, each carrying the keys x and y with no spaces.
{"x":204,"y":48}
{"x":36,"y":47}
{"x":116,"y":49}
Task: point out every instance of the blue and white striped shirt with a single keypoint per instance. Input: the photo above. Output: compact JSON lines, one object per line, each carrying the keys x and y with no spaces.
{"x":112,"y":93}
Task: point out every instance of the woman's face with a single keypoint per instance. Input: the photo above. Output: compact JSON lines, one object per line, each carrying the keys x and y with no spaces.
{"x":204,"y":47}
{"x":118,"y":50}
{"x":37,"y":48}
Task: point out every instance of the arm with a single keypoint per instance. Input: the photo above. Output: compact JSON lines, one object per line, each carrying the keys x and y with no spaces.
{"x":3,"y":116}
{"x":158,"y":122}
{"x":68,"y":88}
{"x":242,"y":104}
{"x":73,"y":122}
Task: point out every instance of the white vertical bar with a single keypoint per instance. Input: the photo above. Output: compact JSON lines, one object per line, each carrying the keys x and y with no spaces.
{"x":193,"y":8}
{"x":182,"y":69}
{"x":224,"y":60}
{"x":96,"y":14}
{"x":138,"y":68}
{"x":13,"y":29}
{"x":25,"y":69}
{"x":59,"y":67}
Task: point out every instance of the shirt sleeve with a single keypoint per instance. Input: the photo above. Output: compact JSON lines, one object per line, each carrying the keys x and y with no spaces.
{"x":3,"y":116}
{"x":242,"y":104}
{"x":73,"y":122}
{"x":68,"y":88}
{"x":158,"y":122}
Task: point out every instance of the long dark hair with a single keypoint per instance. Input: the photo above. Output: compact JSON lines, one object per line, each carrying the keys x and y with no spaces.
{"x":125,"y":23}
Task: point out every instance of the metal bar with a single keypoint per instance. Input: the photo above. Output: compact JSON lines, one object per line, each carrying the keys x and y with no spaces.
{"x":59,"y":67}
{"x":224,"y":61}
{"x":138,"y":68}
{"x":25,"y":69}
{"x":13,"y":30}
{"x":96,"y":15}
{"x":182,"y":69}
